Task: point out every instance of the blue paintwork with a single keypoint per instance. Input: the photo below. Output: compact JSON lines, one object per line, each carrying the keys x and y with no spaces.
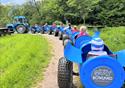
{"x":96,"y":35}
{"x":47,"y":28}
{"x":72,"y":53}
{"x":87,"y":68}
{"x":36,"y":28}
{"x":67,"y":31}
{"x":82,"y":41}
{"x":74,"y":36}
{"x":53,"y":28}
{"x":17,"y":17}
{"x":61,"y":28}
{"x":121,"y":57}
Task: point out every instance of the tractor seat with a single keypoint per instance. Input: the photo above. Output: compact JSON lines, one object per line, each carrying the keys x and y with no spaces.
{"x":96,"y":53}
{"x":87,"y":48}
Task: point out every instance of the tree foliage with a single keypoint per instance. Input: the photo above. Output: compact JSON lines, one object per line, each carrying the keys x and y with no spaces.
{"x":93,"y":12}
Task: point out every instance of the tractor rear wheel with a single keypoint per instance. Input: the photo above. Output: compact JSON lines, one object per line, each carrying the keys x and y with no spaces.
{"x":65,"y":73}
{"x":21,"y":29}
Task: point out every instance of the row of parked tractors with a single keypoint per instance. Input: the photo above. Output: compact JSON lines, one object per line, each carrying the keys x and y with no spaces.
{"x":98,"y":66}
{"x":20,"y":25}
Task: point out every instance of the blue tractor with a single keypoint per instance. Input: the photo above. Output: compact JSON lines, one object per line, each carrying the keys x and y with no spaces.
{"x":61,"y":32}
{"x":20,"y":25}
{"x":68,"y":35}
{"x":56,"y":30}
{"x":46,"y":29}
{"x":37,"y":29}
{"x":97,"y":68}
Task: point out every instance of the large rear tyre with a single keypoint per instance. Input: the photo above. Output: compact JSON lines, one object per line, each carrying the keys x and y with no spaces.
{"x":21,"y":29}
{"x":65,"y":73}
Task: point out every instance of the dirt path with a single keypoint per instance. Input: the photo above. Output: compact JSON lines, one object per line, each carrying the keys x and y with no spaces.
{"x":50,"y":75}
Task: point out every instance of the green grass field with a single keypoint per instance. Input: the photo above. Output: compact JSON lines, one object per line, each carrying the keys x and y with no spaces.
{"x":113,"y":37}
{"x":22,"y":60}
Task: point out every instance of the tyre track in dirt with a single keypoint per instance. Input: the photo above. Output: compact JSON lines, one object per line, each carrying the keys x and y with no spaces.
{"x":50,"y":74}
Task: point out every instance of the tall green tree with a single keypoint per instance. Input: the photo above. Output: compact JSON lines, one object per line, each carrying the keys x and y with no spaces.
{"x":83,"y":7}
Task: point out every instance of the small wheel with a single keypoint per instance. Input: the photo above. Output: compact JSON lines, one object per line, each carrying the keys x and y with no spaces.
{"x":49,"y":32}
{"x":55,"y":33}
{"x":33,"y":31}
{"x":65,"y":37}
{"x":60,"y":35}
{"x":65,"y":73}
{"x":42,"y":31}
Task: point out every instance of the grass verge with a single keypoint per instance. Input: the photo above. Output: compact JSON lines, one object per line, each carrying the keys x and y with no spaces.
{"x":23,"y":58}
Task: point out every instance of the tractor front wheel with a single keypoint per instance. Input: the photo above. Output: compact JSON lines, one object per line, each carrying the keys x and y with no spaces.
{"x":65,"y":73}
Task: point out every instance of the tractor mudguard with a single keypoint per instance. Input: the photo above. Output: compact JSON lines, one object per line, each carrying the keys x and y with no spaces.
{"x":81,"y":41}
{"x":72,"y":54}
{"x":121,"y":57}
{"x":102,"y":72}
{"x":10,"y":25}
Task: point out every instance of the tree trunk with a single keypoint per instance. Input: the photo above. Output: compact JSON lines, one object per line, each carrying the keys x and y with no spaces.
{"x":84,"y":20}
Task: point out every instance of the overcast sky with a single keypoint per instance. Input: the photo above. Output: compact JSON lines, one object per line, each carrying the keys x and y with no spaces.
{"x":12,"y":1}
{"x":19,"y":2}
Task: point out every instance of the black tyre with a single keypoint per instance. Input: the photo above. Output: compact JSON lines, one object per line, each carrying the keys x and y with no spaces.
{"x":60,"y":35}
{"x":65,"y":73}
{"x":49,"y":32}
{"x":56,"y":33}
{"x":42,"y":31}
{"x":65,"y":37}
{"x":21,"y":29}
{"x":33,"y":31}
